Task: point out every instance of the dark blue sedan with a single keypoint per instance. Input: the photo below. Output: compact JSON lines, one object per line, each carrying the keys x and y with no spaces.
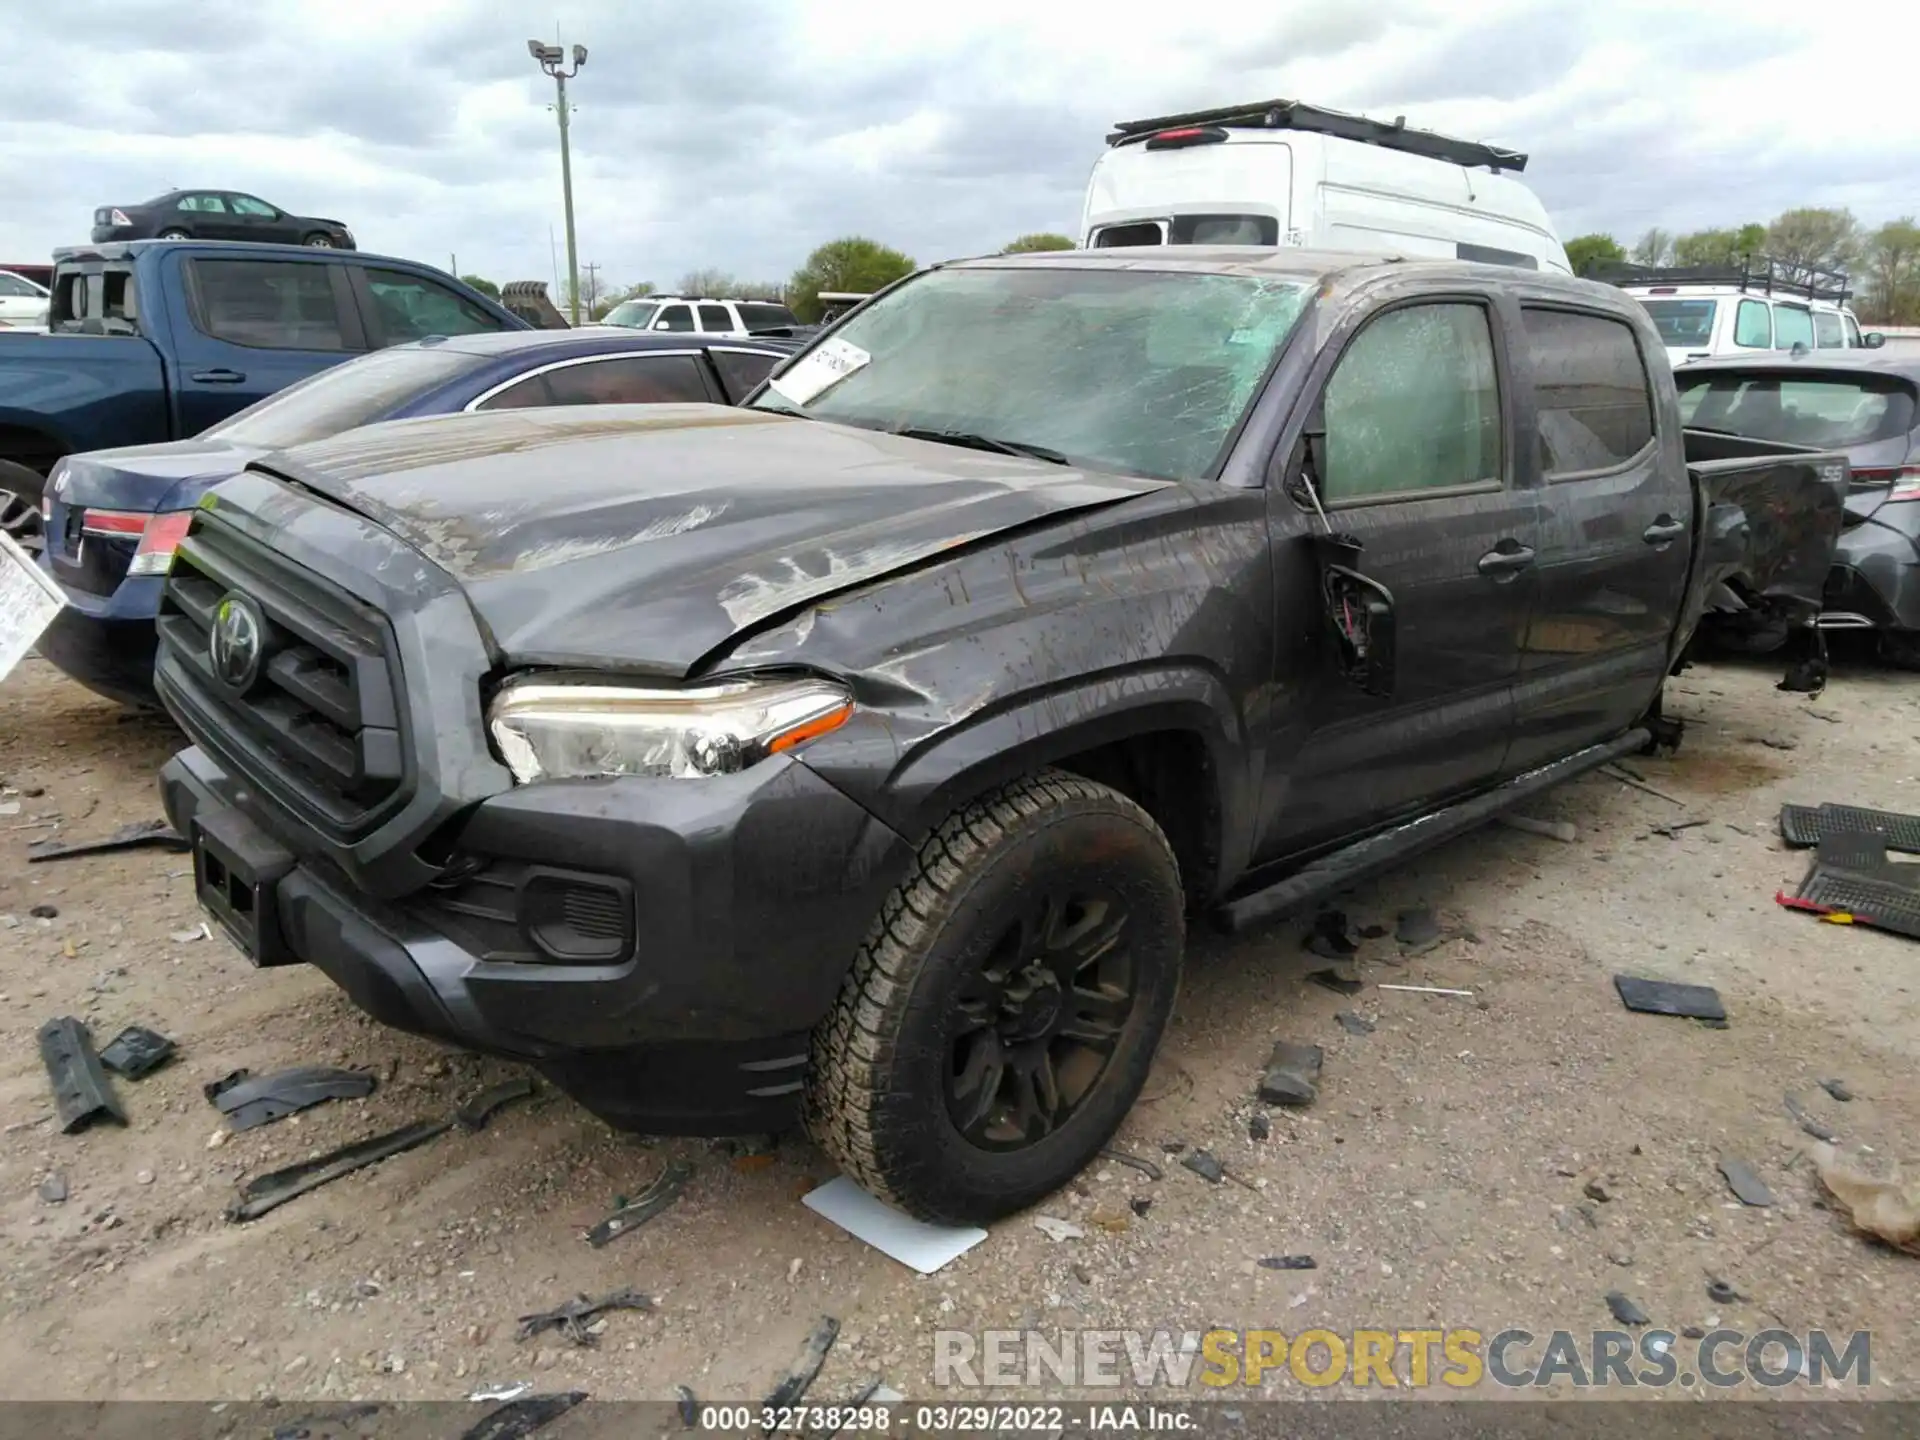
{"x":113,"y":517}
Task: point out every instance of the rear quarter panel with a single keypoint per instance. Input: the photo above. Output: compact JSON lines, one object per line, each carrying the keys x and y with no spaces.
{"x":82,"y":392}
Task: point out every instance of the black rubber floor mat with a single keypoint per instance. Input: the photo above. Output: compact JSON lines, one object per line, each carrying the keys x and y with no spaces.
{"x":1808,"y":825}
{"x":1852,"y":876}
{"x":1665,"y":997}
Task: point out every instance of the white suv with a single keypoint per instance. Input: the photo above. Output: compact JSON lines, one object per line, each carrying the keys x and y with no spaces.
{"x":1701,"y":312}
{"x":23,"y":304}
{"x":703,"y":317}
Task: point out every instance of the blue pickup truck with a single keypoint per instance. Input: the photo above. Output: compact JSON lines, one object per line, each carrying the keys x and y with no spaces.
{"x":156,"y":340}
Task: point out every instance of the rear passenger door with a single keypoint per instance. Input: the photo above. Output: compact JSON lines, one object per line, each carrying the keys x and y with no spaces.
{"x":717,"y":320}
{"x":1615,"y":529}
{"x":256,"y":327}
{"x":1418,"y":417}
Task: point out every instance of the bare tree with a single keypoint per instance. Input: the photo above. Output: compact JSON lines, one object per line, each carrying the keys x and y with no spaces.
{"x":708,"y":285}
{"x":1654,"y":248}
{"x":1810,"y":239}
{"x":1890,"y":262}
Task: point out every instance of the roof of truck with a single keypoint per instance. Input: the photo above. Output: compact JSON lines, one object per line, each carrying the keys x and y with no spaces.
{"x":1280,"y":261}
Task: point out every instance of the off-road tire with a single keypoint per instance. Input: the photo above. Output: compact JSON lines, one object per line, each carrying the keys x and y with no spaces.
{"x":875,"y":1099}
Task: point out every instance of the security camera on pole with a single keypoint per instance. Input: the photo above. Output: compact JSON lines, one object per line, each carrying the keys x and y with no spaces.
{"x":552,"y":60}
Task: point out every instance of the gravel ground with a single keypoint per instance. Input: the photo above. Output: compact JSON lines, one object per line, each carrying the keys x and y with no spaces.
{"x":1447,"y":1174}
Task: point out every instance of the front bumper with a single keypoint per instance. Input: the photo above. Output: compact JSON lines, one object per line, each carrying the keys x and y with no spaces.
{"x":749,"y":895}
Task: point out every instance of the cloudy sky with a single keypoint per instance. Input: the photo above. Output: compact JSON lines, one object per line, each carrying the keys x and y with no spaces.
{"x":738,"y":134}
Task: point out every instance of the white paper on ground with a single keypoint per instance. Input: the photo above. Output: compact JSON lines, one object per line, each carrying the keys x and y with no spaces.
{"x":912,"y":1242}
{"x":28,"y":602}
{"x":828,"y":363}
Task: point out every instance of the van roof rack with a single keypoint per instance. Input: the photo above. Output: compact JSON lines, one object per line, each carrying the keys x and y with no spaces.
{"x":1760,"y":274}
{"x":1295,"y":115}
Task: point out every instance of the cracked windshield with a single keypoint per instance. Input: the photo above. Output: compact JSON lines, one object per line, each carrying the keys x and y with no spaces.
{"x":1118,"y":370}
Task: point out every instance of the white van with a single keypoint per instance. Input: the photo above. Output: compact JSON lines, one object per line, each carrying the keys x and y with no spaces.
{"x":1283,"y":173}
{"x":1703,"y":311}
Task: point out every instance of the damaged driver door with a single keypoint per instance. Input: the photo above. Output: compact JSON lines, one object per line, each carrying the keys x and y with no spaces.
{"x":1398,"y":507}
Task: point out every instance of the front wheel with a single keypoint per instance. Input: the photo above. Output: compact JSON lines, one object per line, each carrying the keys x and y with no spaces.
{"x":999,"y":1021}
{"x":174,"y":232}
{"x":20,"y":492}
{"x":319,"y":242}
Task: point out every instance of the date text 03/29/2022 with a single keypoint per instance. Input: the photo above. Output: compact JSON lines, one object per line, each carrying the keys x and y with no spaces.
{"x":962,"y":1418}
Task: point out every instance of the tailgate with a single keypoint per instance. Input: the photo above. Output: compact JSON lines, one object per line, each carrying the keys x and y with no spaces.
{"x":1768,"y":527}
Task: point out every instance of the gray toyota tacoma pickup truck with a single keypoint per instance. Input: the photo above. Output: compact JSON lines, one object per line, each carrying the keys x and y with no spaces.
{"x":860,"y":755}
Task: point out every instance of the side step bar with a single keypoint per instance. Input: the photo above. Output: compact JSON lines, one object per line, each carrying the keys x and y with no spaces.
{"x":1379,"y":852}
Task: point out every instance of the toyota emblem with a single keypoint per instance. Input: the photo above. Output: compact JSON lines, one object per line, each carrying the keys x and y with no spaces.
{"x":237,"y":642}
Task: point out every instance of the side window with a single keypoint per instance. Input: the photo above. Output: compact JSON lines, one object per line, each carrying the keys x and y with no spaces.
{"x":630,"y":380}
{"x":268,"y":304}
{"x":1827,"y":334}
{"x":714,"y":318}
{"x":1791,"y":326}
{"x":13,"y":285}
{"x":1753,"y":325}
{"x":247,"y":205}
{"x":203,"y":204}
{"x":675,"y":317}
{"x":528,"y":394}
{"x":1853,"y":332}
{"x":412,"y":307}
{"x":1414,"y":405}
{"x":741,"y":370}
{"x":1590,"y":386}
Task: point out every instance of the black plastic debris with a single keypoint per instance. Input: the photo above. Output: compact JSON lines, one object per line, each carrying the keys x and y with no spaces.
{"x":270,"y":1191}
{"x":643,"y":1207}
{"x":1624,"y":1310}
{"x":136,"y":1052}
{"x":807,"y":1365}
{"x":1293,"y":1074}
{"x":1721,"y":1293}
{"x":1747,"y":1186}
{"x":1354,"y":1024}
{"x":1816,"y":1128}
{"x":474,"y":1115}
{"x":1133,"y":1162}
{"x":689,"y":1406}
{"x":1807,"y":825}
{"x":1416,"y":926}
{"x":82,"y":1093}
{"x":1664,"y":997}
{"x":1838,"y":1089}
{"x":140,"y":834}
{"x":1259,"y":1127}
{"x":1202,"y":1163}
{"x":1140,"y":1205}
{"x":1340,"y":984}
{"x":1289,"y":1262}
{"x":45,"y":912}
{"x":570,"y":1317}
{"x":253,"y":1100}
{"x":518,"y":1418}
{"x":1328,"y":936}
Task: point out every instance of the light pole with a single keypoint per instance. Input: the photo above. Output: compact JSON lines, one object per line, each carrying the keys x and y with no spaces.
{"x":553,"y":61}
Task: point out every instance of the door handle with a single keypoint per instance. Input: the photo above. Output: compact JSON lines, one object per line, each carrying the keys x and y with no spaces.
{"x":1664,"y":531}
{"x":221,"y":376}
{"x":1506,"y":560}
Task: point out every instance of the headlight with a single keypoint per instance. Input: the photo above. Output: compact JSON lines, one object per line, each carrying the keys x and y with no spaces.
{"x":569,"y":729}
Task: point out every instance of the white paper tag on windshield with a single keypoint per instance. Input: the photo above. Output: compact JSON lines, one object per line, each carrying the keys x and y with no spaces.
{"x":28,"y":602}
{"x":827,"y":364}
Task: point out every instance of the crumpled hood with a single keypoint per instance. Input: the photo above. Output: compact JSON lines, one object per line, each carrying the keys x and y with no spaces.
{"x":643,"y":537}
{"x":149,"y":477}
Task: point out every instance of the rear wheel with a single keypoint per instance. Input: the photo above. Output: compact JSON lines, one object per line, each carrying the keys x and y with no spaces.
{"x":1901,"y":648}
{"x":20,"y":492}
{"x":174,"y":232}
{"x":318,"y":241}
{"x":999,"y":1021}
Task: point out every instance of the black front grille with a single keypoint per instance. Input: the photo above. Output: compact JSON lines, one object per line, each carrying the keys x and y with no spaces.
{"x":320,"y":727}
